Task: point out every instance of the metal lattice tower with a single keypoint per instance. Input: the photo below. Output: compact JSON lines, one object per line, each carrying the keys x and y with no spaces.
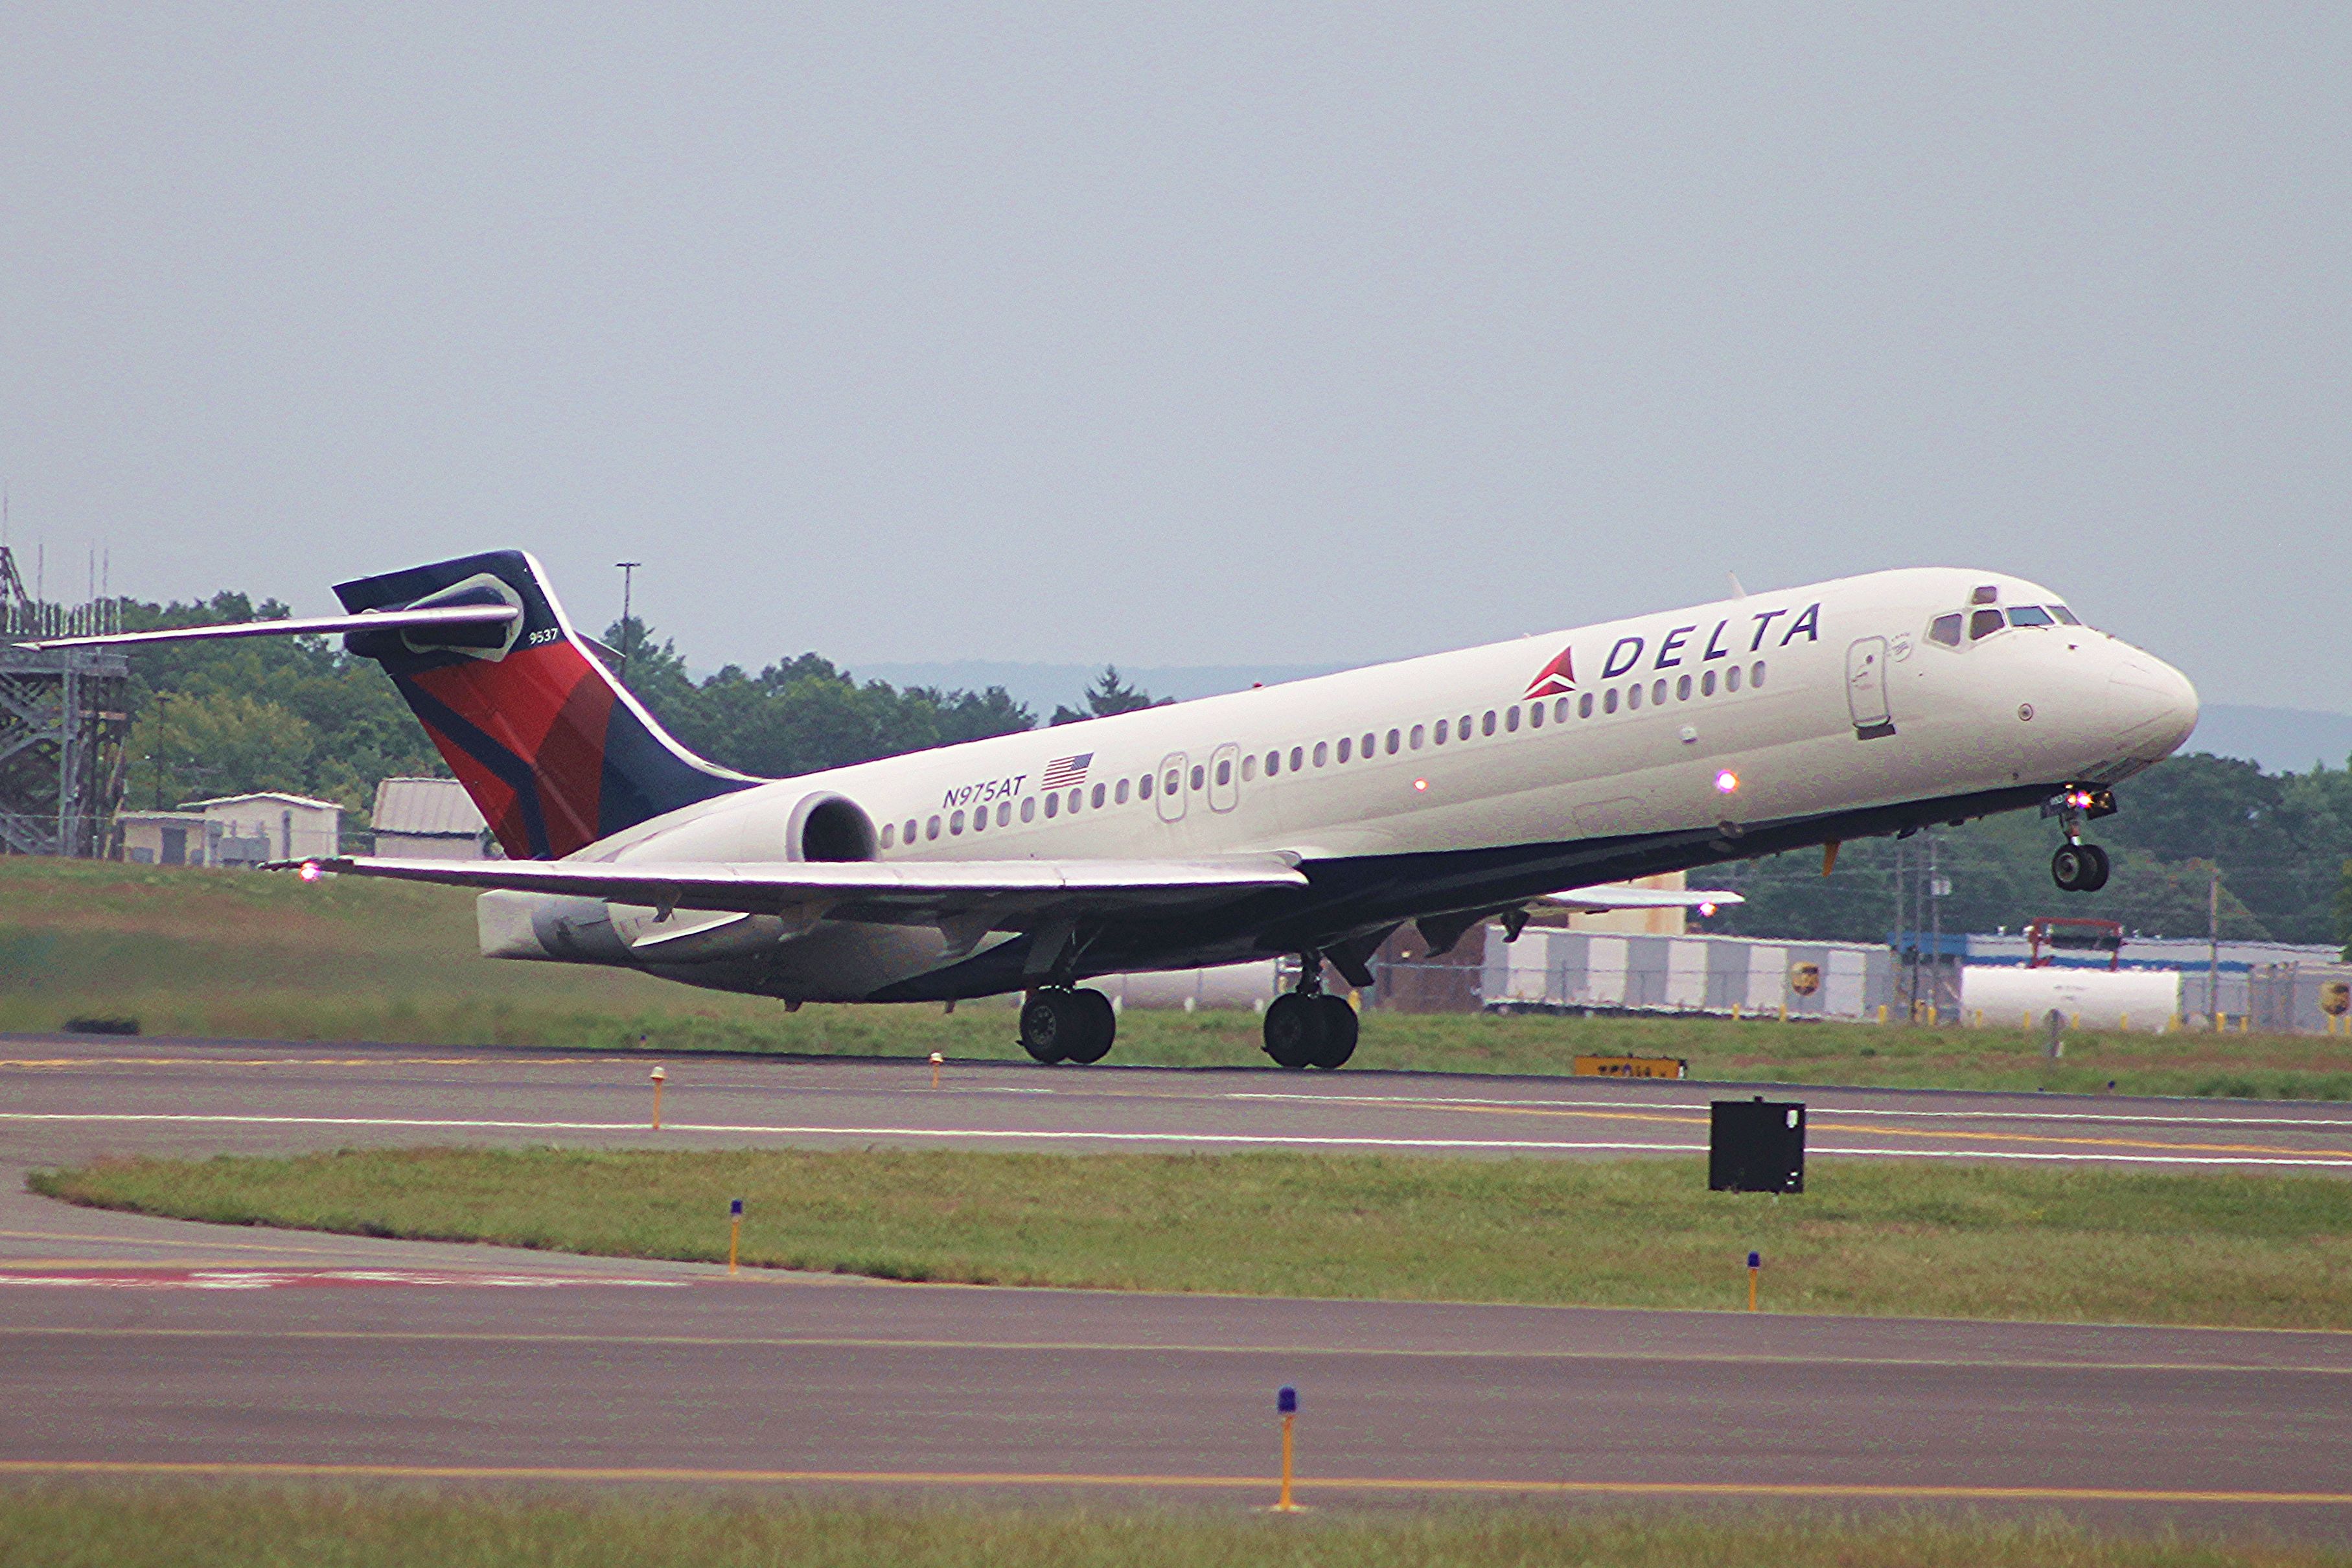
{"x":62,"y":724}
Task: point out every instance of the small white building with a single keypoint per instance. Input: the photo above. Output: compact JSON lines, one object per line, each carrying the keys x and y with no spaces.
{"x":430,"y":819}
{"x":233,"y":830}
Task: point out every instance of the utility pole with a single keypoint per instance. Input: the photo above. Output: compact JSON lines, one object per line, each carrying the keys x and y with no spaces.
{"x":2213,"y":951}
{"x":1937,"y":888}
{"x":629,"y":576}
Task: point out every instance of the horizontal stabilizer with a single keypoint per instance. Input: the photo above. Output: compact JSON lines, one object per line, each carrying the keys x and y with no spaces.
{"x":889,"y":893}
{"x":444,"y":616}
{"x":1603,"y":897}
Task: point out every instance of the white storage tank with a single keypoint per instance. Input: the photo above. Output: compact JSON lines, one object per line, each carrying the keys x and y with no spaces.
{"x":2005,"y":995}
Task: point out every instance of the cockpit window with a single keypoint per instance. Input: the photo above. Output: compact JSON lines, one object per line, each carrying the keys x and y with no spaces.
{"x":1990,"y":594}
{"x":1983,"y":623}
{"x":2030,"y":616}
{"x":2065,"y":614}
{"x":1944,"y":629}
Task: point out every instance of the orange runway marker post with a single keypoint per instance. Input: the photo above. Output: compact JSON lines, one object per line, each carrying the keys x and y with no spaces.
{"x":734,"y":1231}
{"x":937,"y":1061}
{"x":1286,"y":1403}
{"x":1754,"y":1268}
{"x":659,"y":1076}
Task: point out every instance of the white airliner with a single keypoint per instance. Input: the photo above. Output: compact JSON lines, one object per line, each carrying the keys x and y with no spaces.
{"x":1311,"y":818}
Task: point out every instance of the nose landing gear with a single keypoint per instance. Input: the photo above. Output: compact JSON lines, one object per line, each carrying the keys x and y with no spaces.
{"x":1308,"y":1026}
{"x":2077,"y":867}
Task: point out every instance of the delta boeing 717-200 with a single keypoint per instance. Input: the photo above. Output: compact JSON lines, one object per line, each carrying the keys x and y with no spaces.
{"x":1311,"y":818}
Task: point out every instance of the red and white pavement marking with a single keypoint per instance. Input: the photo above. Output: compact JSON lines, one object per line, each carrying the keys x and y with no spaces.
{"x":307,"y":1278}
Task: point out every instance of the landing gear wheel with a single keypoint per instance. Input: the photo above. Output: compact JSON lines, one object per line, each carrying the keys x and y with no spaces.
{"x":1295,"y":1027}
{"x":1045,"y":1032}
{"x":2079,"y":868}
{"x":1097,"y":1024}
{"x":1338,"y":1033}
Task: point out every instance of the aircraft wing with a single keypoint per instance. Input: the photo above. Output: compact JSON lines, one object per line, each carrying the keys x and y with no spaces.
{"x":1606,"y":895}
{"x":898,"y":893}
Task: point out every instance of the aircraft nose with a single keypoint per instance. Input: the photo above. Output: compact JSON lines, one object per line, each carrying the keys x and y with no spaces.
{"x":2152,"y":705}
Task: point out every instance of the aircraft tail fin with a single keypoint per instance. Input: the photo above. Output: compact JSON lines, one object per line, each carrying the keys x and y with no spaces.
{"x":554,"y":751}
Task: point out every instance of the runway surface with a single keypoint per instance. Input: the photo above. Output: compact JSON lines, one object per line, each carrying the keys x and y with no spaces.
{"x":136,"y":1343}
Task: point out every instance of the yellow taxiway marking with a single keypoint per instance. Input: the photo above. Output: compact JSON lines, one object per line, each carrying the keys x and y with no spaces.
{"x":1931,"y":1493}
{"x":1162,"y":1347}
{"x":1460,"y":1102}
{"x":1244,"y":1139}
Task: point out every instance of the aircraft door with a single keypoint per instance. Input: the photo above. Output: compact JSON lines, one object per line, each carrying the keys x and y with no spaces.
{"x":1171,"y":788}
{"x":1866,"y":688}
{"x":1224,"y":777}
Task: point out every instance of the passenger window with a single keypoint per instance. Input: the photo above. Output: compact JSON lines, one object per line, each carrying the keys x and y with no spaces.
{"x":931,"y":828}
{"x":1682,"y":689}
{"x":1076,"y":797}
{"x":1143,"y":787}
{"x":1583,"y":705}
{"x":1225,"y":771}
{"x":2030,"y":616}
{"x":2065,"y":614}
{"x":1634,"y":695}
{"x":890,"y":832}
{"x":1173,"y":779}
{"x":1983,"y":623}
{"x":1365,"y":747}
{"x":1609,"y":702}
{"x":1706,"y":684}
{"x":1658,"y":693}
{"x":1096,"y":800}
{"x":1945,"y":629}
{"x":1756,"y":676}
{"x":1536,"y":714}
{"x":980,"y":819}
{"x":1393,"y":738}
{"x":1319,"y":752}
{"x":1511,"y":717}
{"x":1295,"y":755}
{"x":1487,"y":725}
{"x":910,"y":834}
{"x":1461,"y":726}
{"x":1419,"y":735}
{"x":1029,"y":809}
{"x":1120,"y":795}
{"x":1346,"y":746}
{"x":955,"y":822}
{"x":1732,"y":678}
{"x":1442,"y":726}
{"x":1199,"y":775}
{"x":1053,"y":805}
{"x":1273,"y":763}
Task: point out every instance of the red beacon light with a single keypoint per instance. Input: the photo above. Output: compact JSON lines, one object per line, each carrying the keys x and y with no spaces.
{"x":1726,"y":782}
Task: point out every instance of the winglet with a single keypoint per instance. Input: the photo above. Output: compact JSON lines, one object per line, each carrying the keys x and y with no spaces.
{"x":1737,"y":591}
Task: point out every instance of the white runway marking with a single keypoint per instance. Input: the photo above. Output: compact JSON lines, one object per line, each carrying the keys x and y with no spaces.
{"x":1422,"y":1100}
{"x":1267,"y":1140}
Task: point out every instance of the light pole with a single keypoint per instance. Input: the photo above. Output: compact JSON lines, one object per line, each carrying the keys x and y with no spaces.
{"x":628,"y":577}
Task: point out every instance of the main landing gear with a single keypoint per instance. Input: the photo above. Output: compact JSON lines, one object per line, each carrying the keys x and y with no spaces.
{"x":1062,"y":1024}
{"x":1308,"y":1027}
{"x":2077,"y":867}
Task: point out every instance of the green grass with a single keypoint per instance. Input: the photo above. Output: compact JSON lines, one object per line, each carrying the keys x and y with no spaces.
{"x":241,"y":954}
{"x":66,"y":1527}
{"x":1869,"y":1237}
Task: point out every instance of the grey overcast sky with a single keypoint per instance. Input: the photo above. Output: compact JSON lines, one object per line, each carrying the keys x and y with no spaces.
{"x":1192,"y":334}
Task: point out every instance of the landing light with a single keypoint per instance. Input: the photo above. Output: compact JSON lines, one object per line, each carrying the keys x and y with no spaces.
{"x":1726,"y":782}
{"x":1419,"y":785}
{"x":1707,"y":911}
{"x":311,"y":871}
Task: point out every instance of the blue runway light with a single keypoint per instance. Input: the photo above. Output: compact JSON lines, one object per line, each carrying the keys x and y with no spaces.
{"x":1286,"y":1402}
{"x":1755,"y":1259}
{"x":736,"y":1208}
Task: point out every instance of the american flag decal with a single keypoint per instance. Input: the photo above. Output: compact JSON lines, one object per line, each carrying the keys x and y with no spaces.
{"x":1063,"y":772}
